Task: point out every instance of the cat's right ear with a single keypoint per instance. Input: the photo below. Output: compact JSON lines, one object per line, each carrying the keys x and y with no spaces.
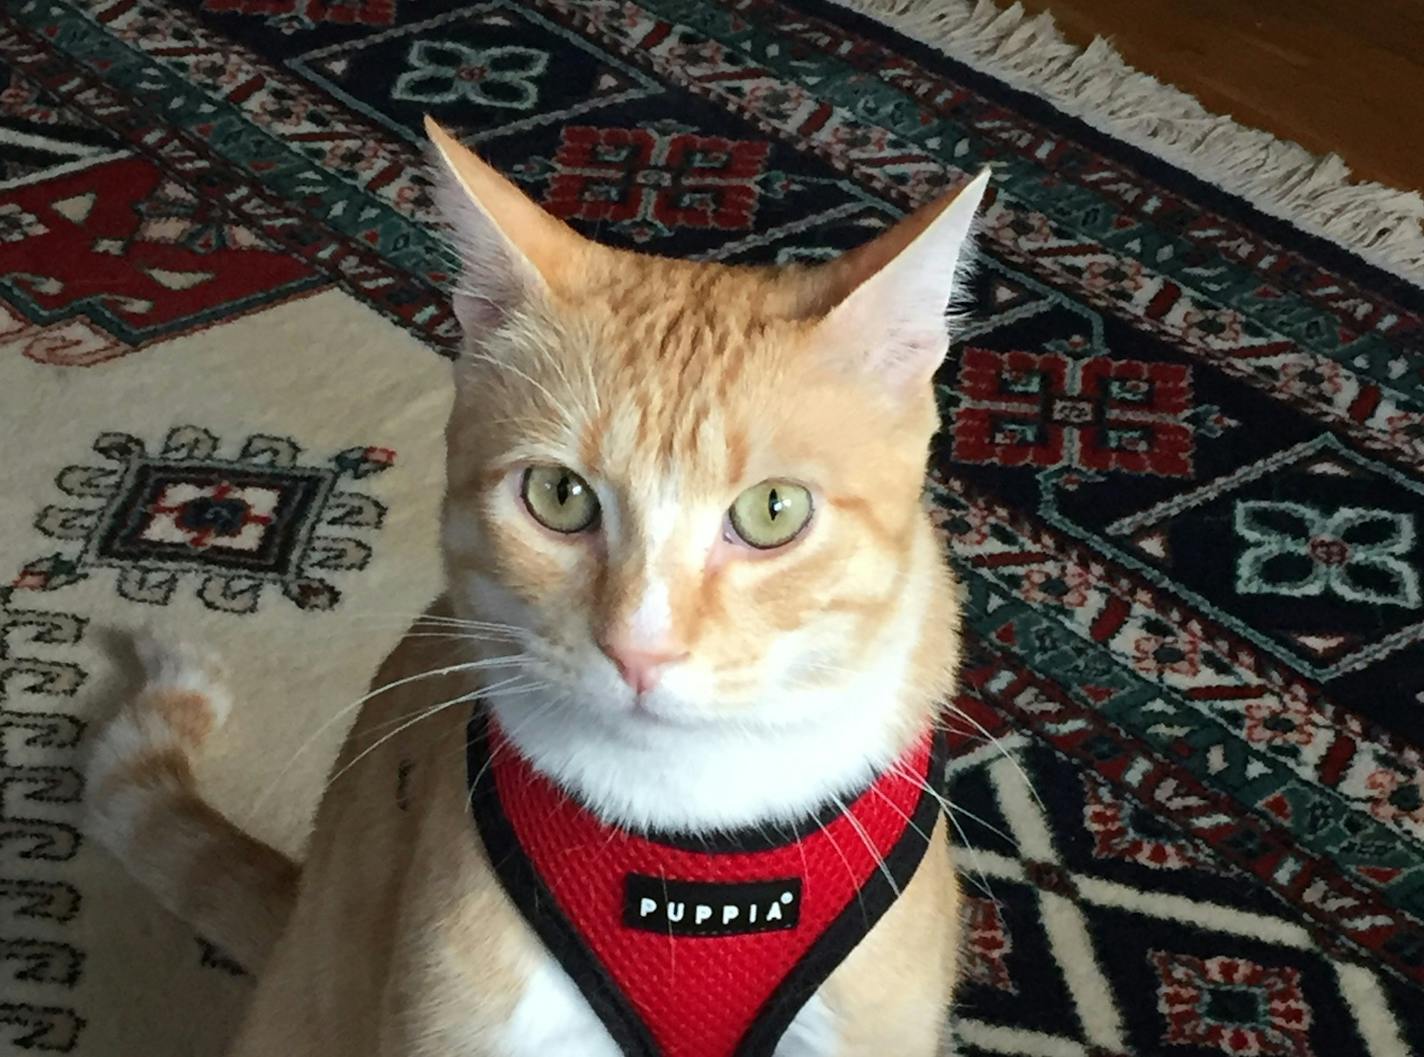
{"x":511,"y":251}
{"x":885,"y":303}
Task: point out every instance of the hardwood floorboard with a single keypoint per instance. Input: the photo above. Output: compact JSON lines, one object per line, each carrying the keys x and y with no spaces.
{"x":1333,"y":75}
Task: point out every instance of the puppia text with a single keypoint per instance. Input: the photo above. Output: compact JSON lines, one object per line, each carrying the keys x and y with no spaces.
{"x":710,"y":908}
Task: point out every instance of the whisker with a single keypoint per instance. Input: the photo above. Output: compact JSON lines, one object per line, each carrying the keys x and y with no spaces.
{"x":983,"y":883}
{"x":950,"y":807}
{"x":850,"y":872}
{"x":949,"y":810}
{"x":1013,"y":760}
{"x":426,"y":714}
{"x":458,"y":636}
{"x":546,"y":706}
{"x":513,"y":662}
{"x":336,"y":717}
{"x":433,"y":620}
{"x":855,"y":824}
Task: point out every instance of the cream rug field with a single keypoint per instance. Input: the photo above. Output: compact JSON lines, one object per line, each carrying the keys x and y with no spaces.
{"x":267,"y":404}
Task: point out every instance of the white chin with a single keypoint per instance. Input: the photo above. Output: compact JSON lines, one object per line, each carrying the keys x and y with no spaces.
{"x":626,"y":710}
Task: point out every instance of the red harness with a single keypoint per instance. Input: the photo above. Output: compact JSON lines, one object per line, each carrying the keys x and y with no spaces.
{"x":693,"y":947}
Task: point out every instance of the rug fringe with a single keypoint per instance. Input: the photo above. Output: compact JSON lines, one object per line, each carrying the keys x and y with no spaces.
{"x":1383,"y":225}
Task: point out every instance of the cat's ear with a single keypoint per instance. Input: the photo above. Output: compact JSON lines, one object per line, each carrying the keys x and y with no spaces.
{"x":511,"y":251}
{"x":884,"y":304}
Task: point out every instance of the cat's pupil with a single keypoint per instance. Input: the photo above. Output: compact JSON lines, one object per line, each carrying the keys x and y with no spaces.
{"x":563,"y":489}
{"x":773,"y":504}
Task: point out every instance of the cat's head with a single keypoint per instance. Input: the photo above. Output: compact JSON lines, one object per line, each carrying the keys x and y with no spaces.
{"x":695,"y":490}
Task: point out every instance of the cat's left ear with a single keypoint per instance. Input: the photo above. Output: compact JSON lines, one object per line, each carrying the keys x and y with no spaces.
{"x":886,"y":302}
{"x":513,"y":253}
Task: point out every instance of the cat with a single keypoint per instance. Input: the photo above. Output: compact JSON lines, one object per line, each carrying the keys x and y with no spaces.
{"x":693,"y":592}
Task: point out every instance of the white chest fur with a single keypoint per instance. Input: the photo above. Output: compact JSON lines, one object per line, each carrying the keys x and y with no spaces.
{"x":551,"y":1017}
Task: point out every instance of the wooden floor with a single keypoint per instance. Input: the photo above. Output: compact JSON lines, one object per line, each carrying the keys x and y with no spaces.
{"x":1341,"y":76}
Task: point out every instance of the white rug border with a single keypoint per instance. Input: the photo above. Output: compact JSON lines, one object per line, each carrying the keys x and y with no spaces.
{"x":1380,"y":224}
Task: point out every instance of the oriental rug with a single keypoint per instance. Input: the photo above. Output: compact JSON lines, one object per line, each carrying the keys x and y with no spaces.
{"x":1181,"y":472}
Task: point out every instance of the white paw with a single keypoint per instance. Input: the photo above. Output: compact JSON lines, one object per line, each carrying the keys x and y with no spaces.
{"x":182,"y":667}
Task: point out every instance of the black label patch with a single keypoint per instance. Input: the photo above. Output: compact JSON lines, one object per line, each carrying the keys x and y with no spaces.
{"x":703,"y":908}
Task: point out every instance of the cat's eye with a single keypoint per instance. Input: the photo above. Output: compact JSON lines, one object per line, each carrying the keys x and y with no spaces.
{"x":559,"y":499}
{"x":770,"y":514}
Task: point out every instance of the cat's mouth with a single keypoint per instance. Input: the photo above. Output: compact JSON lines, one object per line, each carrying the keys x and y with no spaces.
{"x":653,"y":710}
{"x":660,"y":709}
{"x":648,"y":708}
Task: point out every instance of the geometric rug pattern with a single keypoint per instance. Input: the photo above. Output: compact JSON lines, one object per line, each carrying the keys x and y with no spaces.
{"x":1181,"y":476}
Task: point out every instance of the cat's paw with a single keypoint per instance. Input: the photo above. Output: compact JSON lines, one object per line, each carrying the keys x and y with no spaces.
{"x":185,"y":684}
{"x":141,"y":796}
{"x":181,"y":700}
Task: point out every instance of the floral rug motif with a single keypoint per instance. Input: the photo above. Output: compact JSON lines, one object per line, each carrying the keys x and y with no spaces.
{"x":1181,"y":472}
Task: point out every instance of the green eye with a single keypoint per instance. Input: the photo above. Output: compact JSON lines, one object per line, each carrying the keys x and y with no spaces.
{"x":771,"y":514}
{"x":559,"y":499}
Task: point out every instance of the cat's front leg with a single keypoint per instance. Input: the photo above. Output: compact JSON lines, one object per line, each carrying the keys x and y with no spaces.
{"x":812,"y":1033}
{"x":551,"y":1017}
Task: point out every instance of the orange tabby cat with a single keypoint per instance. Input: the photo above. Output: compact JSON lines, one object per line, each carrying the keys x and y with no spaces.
{"x":691,"y":580}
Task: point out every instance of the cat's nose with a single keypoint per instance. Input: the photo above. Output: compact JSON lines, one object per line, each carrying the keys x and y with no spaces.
{"x":640,"y":665}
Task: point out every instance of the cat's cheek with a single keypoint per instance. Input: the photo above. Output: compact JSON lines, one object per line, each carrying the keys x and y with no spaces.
{"x":552,"y":581}
{"x":486,"y":598}
{"x":752,"y":601}
{"x":461,"y":535}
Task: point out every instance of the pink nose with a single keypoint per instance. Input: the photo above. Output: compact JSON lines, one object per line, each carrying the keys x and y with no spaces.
{"x":641,"y":668}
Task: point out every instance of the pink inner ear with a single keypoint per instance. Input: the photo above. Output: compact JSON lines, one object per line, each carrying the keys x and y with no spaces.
{"x":896,"y":291}
{"x":496,"y":278}
{"x":478,"y":314}
{"x":497,"y":227}
{"x":848,"y":272}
